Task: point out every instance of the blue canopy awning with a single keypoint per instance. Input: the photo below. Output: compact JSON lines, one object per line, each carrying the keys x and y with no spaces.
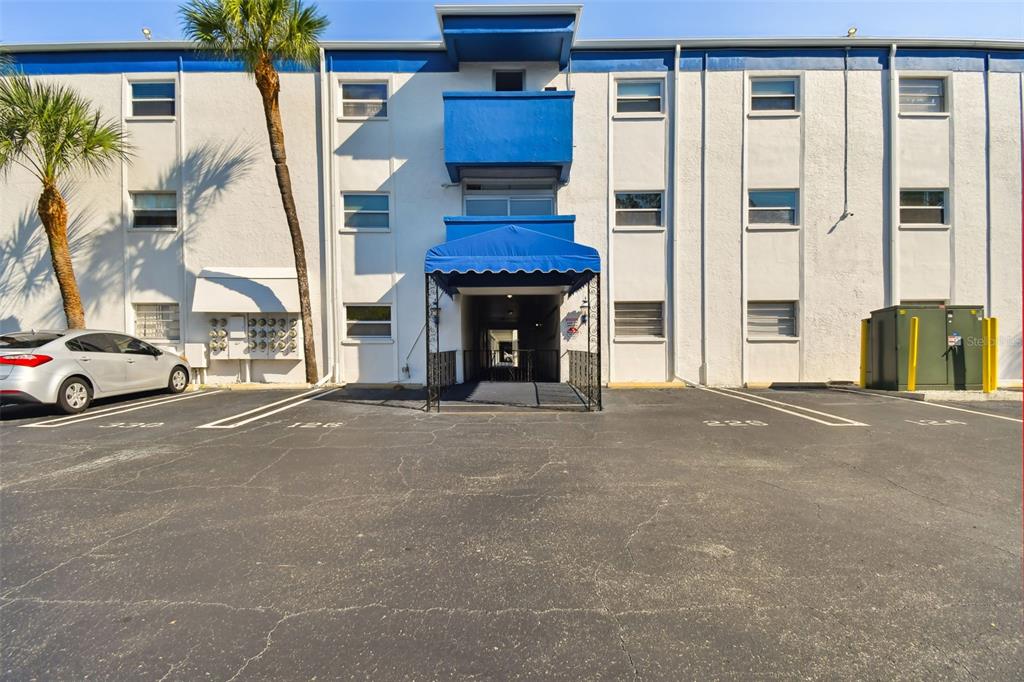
{"x":511,"y":256}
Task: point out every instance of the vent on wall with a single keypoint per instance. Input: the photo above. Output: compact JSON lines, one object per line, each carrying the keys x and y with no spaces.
{"x":640,"y":318}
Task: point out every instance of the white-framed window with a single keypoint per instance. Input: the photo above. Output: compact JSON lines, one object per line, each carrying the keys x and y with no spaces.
{"x":775,"y":93}
{"x":364,"y":100}
{"x":509,"y":81}
{"x":368,"y":321}
{"x":773,"y":207}
{"x":638,"y":209}
{"x":771,"y":319}
{"x":152,"y":98}
{"x":509,"y":205}
{"x":157,"y":321}
{"x":640,"y":318}
{"x":923,"y":206}
{"x":639,"y":96}
{"x":154,"y":210}
{"x":366,"y":210}
{"x":922,"y":95}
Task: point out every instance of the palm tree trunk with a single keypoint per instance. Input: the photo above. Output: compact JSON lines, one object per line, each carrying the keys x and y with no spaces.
{"x":53,"y":212}
{"x":269,"y":84}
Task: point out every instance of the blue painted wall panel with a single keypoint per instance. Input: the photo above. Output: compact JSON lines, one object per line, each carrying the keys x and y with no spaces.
{"x":561,"y":226}
{"x":508,"y":129}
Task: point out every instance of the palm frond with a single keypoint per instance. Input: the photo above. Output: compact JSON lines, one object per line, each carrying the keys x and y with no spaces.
{"x":51,"y":130}
{"x":255,"y":30}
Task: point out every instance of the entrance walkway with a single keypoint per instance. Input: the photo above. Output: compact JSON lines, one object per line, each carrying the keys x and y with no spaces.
{"x":480,"y":395}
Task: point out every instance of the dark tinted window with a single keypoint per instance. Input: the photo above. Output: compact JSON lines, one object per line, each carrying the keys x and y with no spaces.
{"x":131,"y":345}
{"x":153,"y":99}
{"x":508,"y":81}
{"x":97,"y":343}
{"x":27,"y":339}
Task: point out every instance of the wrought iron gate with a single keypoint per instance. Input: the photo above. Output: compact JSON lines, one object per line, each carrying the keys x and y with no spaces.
{"x":440,"y":364}
{"x":585,"y":366}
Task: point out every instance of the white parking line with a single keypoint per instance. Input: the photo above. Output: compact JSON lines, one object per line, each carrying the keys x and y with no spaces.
{"x":293,"y":401}
{"x":925,"y":402}
{"x":764,"y":402}
{"x":111,"y":411}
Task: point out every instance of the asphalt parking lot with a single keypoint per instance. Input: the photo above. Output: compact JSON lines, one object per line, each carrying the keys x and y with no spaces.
{"x":679,"y":534}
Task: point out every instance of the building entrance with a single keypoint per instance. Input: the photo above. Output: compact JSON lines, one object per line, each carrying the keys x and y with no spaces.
{"x":511,"y":337}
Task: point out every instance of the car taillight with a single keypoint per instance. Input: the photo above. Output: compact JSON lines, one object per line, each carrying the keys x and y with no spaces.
{"x":25,"y":359}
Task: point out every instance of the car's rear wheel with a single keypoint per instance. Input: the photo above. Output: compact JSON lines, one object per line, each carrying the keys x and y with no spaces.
{"x":74,"y":395}
{"x":178,"y":380}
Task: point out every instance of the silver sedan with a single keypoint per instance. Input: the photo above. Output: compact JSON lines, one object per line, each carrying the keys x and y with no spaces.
{"x":71,"y":368}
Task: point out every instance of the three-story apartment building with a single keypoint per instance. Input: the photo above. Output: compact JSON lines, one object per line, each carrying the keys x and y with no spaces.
{"x":726,"y":211}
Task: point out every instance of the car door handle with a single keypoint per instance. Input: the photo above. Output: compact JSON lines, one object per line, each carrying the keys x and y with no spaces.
{"x":131,"y":362}
{"x":84,"y":359}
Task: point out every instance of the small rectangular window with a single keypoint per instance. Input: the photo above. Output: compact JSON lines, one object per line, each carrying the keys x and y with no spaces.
{"x":636,"y":97}
{"x":772,"y":206}
{"x":922,"y":95}
{"x":509,"y":81}
{"x":153,"y":99}
{"x":923,"y":206}
{"x":509,"y":206}
{"x":640,"y":318}
{"x":638,"y":209}
{"x":771,"y":319}
{"x":364,"y":100}
{"x":367,"y":211}
{"x":773,"y":94}
{"x":368,"y":321}
{"x":154,"y":209}
{"x":157,"y":321}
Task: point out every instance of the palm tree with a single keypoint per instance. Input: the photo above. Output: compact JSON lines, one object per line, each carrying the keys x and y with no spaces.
{"x":52,"y":132}
{"x":260,"y":32}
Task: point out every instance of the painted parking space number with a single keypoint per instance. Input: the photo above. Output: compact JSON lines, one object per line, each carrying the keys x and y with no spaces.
{"x":314,"y":425}
{"x":935,"y":422}
{"x":131,"y":425}
{"x":734,"y":422}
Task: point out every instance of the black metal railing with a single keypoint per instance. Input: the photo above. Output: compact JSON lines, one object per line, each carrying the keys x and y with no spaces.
{"x":585,"y":376}
{"x":510,"y":365}
{"x":440,"y":375}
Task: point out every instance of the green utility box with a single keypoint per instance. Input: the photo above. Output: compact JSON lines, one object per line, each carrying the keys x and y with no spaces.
{"x":949,"y":347}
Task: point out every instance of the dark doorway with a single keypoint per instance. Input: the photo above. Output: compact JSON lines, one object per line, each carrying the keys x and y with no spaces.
{"x":511,"y":337}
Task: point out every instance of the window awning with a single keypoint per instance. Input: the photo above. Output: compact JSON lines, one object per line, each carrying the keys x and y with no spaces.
{"x":246,"y":290}
{"x":511,"y":256}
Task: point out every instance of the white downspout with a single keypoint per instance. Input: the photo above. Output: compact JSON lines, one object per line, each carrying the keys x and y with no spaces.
{"x":703,"y":220}
{"x":673,"y":192}
{"x":894,"y":181}
{"x":327,"y":196}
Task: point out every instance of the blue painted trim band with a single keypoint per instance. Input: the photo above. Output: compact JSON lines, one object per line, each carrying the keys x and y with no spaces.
{"x":795,"y":59}
{"x":605,"y":61}
{"x":522,"y":94}
{"x":133,"y":61}
{"x":810,"y":59}
{"x":1007,"y":62}
{"x":389,"y":61}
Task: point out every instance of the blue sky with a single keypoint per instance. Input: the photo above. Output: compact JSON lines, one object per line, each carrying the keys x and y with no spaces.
{"x":30,"y":21}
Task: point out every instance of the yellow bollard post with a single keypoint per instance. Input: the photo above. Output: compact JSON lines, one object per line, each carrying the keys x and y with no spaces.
{"x":912,"y":364}
{"x":863,"y":353}
{"x":986,"y":358}
{"x":993,"y":363}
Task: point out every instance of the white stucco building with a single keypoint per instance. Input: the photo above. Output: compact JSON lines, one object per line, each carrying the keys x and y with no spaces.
{"x":749,"y":201}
